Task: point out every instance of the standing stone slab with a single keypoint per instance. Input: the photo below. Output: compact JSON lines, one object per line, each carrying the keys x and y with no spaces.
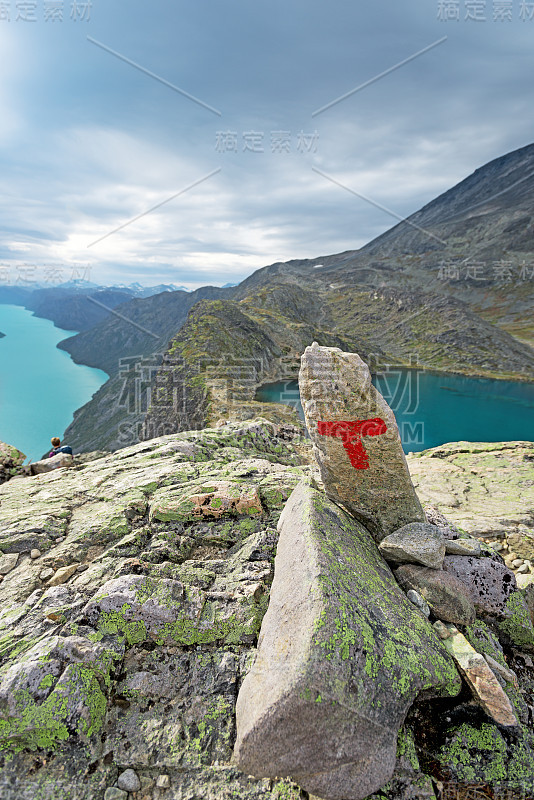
{"x":356,"y":441}
{"x":341,"y":656}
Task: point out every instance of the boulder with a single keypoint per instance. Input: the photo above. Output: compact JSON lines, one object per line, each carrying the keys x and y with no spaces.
{"x":49,"y":464}
{"x":489,"y":581}
{"x":341,"y":656}
{"x":417,"y":543}
{"x":356,"y":441}
{"x":448,"y":597}
{"x":11,"y":461}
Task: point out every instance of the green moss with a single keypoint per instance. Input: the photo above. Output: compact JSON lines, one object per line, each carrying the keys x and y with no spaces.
{"x":481,"y":754}
{"x":114,"y":622}
{"x":45,"y":725}
{"x":518,"y":625}
{"x":406,"y":748}
{"x":344,"y":632}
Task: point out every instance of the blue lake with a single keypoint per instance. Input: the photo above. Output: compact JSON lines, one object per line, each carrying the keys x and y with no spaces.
{"x":433,"y":408}
{"x":40,"y":386}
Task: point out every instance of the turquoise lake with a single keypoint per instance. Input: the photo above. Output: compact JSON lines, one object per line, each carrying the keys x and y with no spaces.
{"x":40,"y":386}
{"x":432,"y":408}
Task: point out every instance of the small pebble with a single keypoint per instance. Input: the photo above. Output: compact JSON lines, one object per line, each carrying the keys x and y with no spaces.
{"x":45,"y":574}
{"x":523,"y":569}
{"x":441,"y":629}
{"x":60,"y":539}
{"x":517,"y":562}
{"x":415,"y":598}
{"x":462,"y":547}
{"x":112,"y":793}
{"x":163,"y":782}
{"x":35,"y":554}
{"x":129,"y":781}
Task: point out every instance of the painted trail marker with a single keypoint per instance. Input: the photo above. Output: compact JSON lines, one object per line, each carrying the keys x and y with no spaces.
{"x":356,"y":441}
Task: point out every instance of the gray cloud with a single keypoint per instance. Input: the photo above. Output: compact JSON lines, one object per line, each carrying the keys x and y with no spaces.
{"x":87,"y":142}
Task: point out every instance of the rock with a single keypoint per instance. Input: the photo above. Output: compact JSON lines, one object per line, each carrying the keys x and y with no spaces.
{"x":163,"y":782}
{"x":356,"y":441}
{"x":494,"y":665}
{"x":129,"y":781}
{"x":517,"y":562}
{"x":441,"y":629}
{"x":524,"y":579}
{"x":516,"y":628}
{"x":488,"y":580}
{"x":480,"y":487}
{"x":11,"y":461}
{"x":435,"y":517}
{"x":419,"y":602}
{"x":341,"y":655}
{"x":49,"y":464}
{"x":448,"y":597}
{"x":485,"y":688}
{"x":35,"y":554}
{"x":523,"y":569}
{"x":462,"y":547}
{"x":8,"y":562}
{"x":46,"y":573}
{"x":416,"y":543}
{"x":112,"y":793}
{"x":62,"y":575}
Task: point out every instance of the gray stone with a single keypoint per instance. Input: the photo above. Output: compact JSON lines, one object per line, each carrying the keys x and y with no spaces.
{"x":46,"y":573}
{"x":505,"y":673}
{"x":49,"y":464}
{"x":483,"y":684}
{"x":8,"y":562}
{"x":416,"y":543}
{"x":356,"y":441}
{"x":462,"y":547}
{"x":488,"y":580}
{"x":62,"y":575}
{"x":342,"y":654}
{"x":448,"y":597}
{"x":523,"y":569}
{"x":163,"y":782}
{"x":418,"y":601}
{"x":112,"y":793}
{"x":129,"y":781}
{"x":35,"y":554}
{"x":524,"y":579}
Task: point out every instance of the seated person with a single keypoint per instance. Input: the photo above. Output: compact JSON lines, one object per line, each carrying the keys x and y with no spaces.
{"x":56,"y":442}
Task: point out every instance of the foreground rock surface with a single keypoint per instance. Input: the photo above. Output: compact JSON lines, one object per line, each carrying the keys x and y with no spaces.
{"x":342,"y":655}
{"x":91,"y":690}
{"x":123,"y":644}
{"x":356,"y":441}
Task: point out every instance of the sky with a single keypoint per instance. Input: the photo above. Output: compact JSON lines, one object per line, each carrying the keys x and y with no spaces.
{"x":194,"y":142}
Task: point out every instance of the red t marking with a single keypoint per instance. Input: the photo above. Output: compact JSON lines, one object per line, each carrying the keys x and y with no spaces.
{"x":351,"y":434}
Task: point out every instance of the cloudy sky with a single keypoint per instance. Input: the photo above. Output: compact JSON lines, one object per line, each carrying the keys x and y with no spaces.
{"x":221,"y":117}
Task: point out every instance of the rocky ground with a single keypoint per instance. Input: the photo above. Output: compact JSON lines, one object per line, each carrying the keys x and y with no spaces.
{"x":133,"y":589}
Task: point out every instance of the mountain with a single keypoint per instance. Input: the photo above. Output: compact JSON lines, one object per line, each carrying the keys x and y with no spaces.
{"x":396,"y":299}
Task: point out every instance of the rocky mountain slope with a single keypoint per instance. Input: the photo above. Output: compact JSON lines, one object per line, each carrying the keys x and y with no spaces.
{"x":444,"y":288}
{"x":133,"y":589}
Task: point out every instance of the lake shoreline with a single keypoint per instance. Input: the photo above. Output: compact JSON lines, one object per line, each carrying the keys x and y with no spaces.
{"x":42,"y":387}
